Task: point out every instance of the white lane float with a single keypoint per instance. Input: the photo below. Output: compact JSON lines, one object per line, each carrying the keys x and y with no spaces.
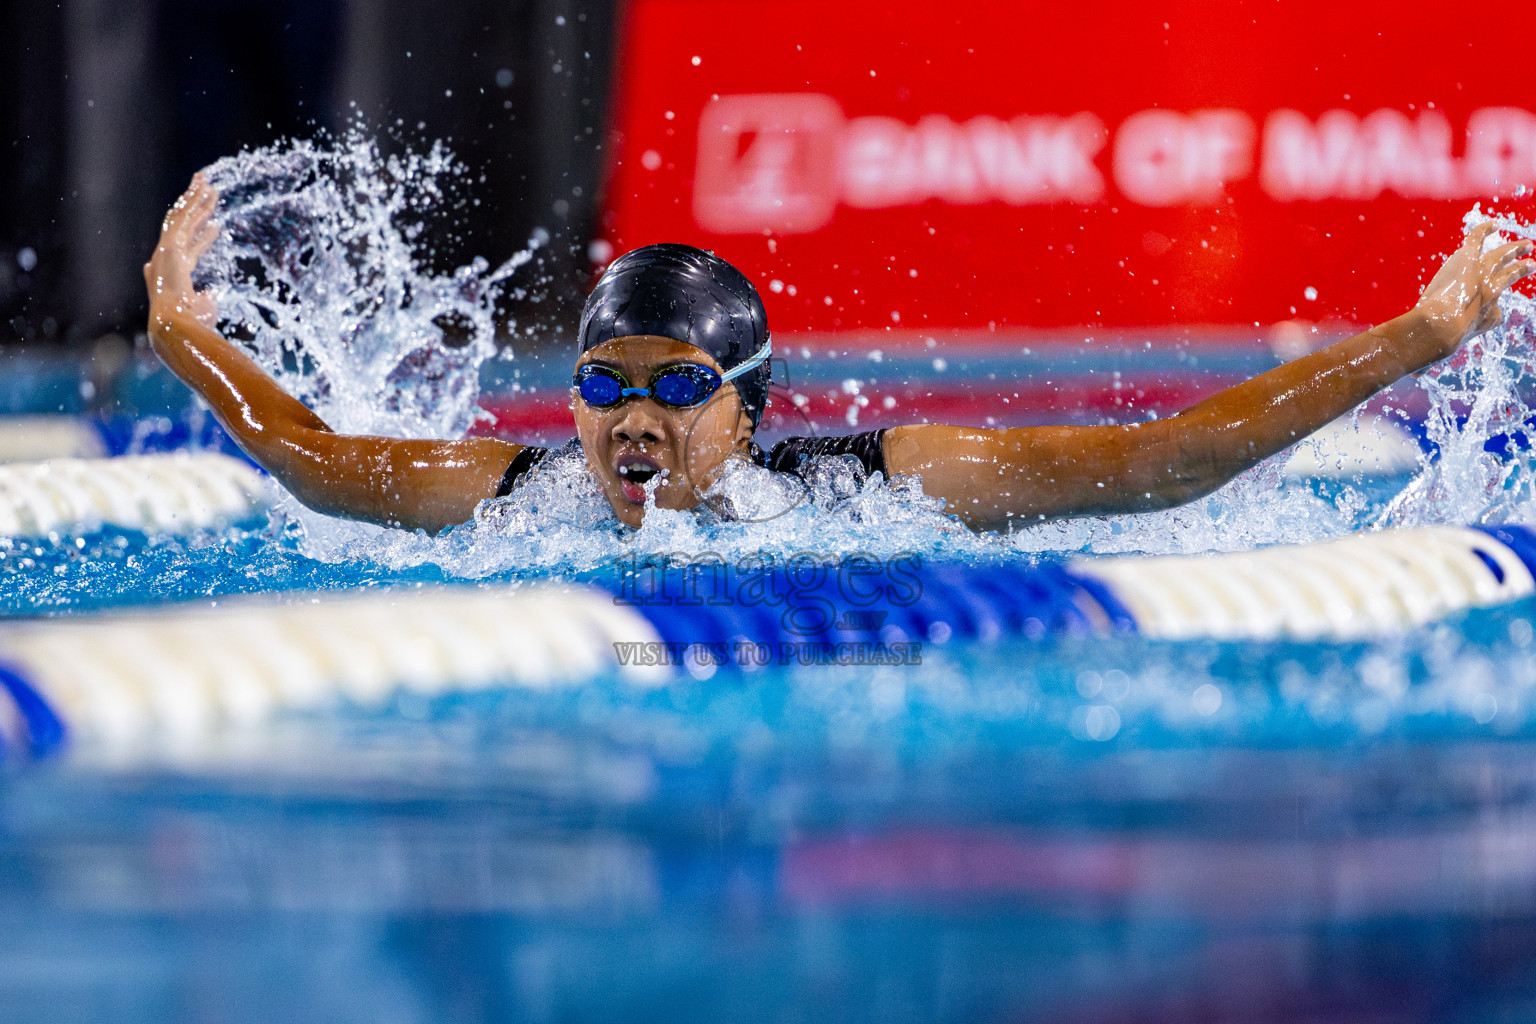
{"x":162,"y":493}
{"x":34,"y":438}
{"x":1362,"y":585}
{"x":168,"y":683}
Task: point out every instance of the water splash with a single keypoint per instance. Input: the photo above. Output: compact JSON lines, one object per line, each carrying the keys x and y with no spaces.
{"x":557,"y":522}
{"x":317,"y":273}
{"x":1259,"y":507}
{"x":1482,"y":392}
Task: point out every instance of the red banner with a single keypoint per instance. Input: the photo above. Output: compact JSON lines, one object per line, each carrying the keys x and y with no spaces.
{"x":928,"y":167}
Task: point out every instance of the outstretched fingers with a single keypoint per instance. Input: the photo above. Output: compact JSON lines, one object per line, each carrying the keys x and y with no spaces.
{"x":1502,"y":252}
{"x":189,"y":229}
{"x":1476,"y":237}
{"x":1499,"y":257}
{"x":178,"y":211}
{"x":1509,"y":274}
{"x":205,"y":195}
{"x":1491,"y":314}
{"x":191,"y":208}
{"x":203,"y":235}
{"x":200,"y":210}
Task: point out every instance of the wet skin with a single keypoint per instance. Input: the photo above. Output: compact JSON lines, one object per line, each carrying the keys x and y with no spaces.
{"x":989,"y":478}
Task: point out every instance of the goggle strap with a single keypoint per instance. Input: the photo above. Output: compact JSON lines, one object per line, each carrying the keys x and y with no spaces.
{"x":757,"y":359}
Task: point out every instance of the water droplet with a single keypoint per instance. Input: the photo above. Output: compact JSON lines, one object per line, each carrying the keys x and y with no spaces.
{"x":1206,"y":699}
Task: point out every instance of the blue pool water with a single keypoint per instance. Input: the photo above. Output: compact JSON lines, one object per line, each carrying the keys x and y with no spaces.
{"x":943,"y":844}
{"x":1069,"y":828}
{"x":1342,"y":832}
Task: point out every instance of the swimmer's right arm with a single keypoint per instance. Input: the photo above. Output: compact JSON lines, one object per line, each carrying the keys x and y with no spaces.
{"x":413,"y":484}
{"x":994,"y":477}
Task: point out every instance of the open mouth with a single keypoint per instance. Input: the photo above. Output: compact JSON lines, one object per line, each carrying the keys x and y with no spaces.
{"x":635,"y":471}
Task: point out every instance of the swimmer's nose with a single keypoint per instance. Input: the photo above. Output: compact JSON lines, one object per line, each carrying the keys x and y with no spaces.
{"x":638,"y":425}
{"x":636,"y":437}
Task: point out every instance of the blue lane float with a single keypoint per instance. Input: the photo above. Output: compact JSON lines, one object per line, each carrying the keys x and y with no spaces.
{"x":819,"y":604}
{"x":1356,"y":586}
{"x":33,"y":438}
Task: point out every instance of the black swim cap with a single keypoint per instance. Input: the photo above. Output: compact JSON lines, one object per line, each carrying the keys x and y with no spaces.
{"x":677,"y":291}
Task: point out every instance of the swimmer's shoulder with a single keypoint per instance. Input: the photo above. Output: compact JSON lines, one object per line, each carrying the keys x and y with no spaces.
{"x":793,"y":454}
{"x":528,"y":458}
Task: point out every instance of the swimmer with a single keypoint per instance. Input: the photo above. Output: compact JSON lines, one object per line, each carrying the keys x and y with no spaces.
{"x":672,"y":378}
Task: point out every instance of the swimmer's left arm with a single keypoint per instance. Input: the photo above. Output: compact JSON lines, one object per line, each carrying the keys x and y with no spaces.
{"x":990,"y":478}
{"x":410,"y":483}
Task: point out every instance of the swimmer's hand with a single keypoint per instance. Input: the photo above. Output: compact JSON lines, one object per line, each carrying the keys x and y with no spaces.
{"x":1462,"y":300}
{"x":189,"y":229}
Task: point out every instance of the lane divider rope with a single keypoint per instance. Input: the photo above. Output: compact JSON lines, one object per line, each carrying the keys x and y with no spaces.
{"x":1361,"y":585}
{"x":176,"y":682}
{"x":171,"y":493}
{"x":171,"y":681}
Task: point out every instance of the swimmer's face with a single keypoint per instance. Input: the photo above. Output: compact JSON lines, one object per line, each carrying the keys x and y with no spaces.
{"x":640,"y":439}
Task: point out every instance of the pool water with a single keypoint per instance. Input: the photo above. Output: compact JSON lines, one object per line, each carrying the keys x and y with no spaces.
{"x":1341,"y":833}
{"x":1069,"y":828}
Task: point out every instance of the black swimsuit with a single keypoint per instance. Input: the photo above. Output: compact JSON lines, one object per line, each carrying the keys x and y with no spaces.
{"x":790,"y":455}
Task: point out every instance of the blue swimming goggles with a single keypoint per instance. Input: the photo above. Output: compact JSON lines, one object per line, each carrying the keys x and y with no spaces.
{"x":679,"y":386}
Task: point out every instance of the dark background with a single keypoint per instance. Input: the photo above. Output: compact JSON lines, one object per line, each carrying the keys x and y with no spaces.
{"x":107,"y":108}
